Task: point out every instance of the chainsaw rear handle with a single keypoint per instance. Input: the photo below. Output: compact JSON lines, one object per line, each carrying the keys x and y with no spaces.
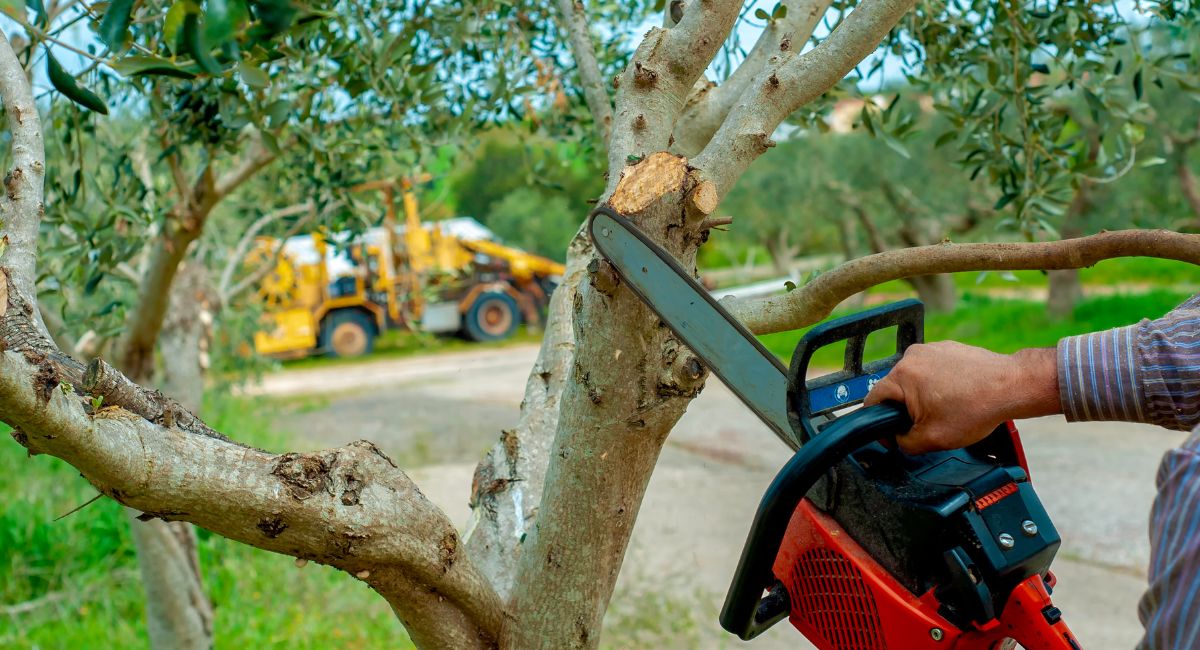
{"x":746,"y":613}
{"x":818,"y":399}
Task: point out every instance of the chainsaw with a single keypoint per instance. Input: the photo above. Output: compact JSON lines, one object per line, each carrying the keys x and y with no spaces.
{"x":859,"y":545}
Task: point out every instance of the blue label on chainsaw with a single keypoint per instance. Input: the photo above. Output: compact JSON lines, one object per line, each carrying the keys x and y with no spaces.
{"x":844,"y":393}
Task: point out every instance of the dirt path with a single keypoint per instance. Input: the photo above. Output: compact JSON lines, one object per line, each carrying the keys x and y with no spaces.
{"x":437,"y":415}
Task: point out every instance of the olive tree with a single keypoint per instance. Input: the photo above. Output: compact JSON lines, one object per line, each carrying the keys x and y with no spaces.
{"x":556,"y":499}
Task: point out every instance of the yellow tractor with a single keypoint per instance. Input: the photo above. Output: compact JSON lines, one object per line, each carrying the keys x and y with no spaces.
{"x":334,"y":294}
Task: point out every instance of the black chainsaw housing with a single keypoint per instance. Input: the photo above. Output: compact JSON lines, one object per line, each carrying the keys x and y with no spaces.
{"x":964,"y":524}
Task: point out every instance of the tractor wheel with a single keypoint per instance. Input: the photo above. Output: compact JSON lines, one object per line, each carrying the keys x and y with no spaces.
{"x":492,"y":317}
{"x":349,"y":333}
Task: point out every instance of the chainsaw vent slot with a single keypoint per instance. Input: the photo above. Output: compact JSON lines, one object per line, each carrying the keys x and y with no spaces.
{"x":830,"y":594}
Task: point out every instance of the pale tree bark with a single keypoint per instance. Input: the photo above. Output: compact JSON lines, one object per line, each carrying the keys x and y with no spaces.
{"x":178,"y":614}
{"x":350,"y":507}
{"x":23,"y":184}
{"x":630,"y":380}
{"x":507,"y":486}
{"x":710,"y":103}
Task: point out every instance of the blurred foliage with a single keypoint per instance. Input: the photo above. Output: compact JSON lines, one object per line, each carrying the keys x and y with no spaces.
{"x":532,"y":191}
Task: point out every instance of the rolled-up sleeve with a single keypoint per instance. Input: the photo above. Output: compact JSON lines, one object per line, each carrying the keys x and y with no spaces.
{"x":1148,"y":372}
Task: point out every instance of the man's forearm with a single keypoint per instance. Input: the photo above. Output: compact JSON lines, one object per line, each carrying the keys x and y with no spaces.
{"x":1035,"y":384}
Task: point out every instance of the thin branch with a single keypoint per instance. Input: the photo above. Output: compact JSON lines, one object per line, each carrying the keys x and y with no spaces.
{"x":574,"y":22}
{"x":238,"y":256}
{"x":817,"y":299}
{"x":350,"y":508}
{"x":707,"y":110}
{"x":260,"y":156}
{"x":791,"y":81}
{"x":269,"y":264}
{"x":176,"y":166}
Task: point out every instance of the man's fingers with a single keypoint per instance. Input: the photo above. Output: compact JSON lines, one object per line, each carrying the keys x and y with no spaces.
{"x":886,"y":389}
{"x":914,"y":442}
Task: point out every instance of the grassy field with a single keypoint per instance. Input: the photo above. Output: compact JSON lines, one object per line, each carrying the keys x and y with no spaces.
{"x":1002,"y":325}
{"x":78,"y":576}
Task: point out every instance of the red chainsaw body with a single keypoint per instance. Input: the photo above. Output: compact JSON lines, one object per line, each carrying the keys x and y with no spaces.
{"x":842,"y":599}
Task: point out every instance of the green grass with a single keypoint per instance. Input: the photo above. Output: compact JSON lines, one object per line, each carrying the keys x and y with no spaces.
{"x":1001,"y":325}
{"x":401,"y":343}
{"x":85,"y":565}
{"x":1139,"y":271}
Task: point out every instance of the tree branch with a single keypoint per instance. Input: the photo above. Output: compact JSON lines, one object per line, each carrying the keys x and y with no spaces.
{"x":238,"y":256}
{"x":817,"y":299}
{"x":21,"y":204}
{"x":350,"y":508}
{"x":573,"y":18}
{"x":707,"y":109}
{"x":659,"y":78}
{"x":789,"y":81}
{"x":260,"y":156}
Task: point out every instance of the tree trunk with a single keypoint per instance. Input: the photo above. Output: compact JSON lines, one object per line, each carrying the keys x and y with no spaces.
{"x":1065,"y":289}
{"x":1187,"y":182}
{"x":937,"y":292}
{"x":629,"y":382}
{"x":178,"y":613}
{"x":1065,"y":292}
{"x":507,"y":486}
{"x":847,"y":239}
{"x":783,"y":254}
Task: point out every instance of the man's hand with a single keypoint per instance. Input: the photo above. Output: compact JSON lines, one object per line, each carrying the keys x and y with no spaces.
{"x":957,"y":394}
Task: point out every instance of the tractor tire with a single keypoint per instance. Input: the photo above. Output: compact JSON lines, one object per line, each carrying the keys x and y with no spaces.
{"x":492,"y":317}
{"x":348,"y":333}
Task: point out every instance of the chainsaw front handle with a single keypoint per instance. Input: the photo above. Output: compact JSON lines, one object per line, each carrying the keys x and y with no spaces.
{"x":746,"y":613}
{"x":813,"y":402}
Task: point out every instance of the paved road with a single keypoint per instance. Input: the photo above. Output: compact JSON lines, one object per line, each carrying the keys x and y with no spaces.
{"x":438,"y":414}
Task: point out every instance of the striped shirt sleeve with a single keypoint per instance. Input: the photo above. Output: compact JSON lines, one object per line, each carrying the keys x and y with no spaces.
{"x":1167,"y":609}
{"x":1148,"y":372}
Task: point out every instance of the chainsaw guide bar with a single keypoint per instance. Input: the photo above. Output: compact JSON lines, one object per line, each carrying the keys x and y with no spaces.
{"x":718,"y":339}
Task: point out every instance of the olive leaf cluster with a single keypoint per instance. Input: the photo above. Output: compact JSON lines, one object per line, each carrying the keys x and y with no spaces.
{"x":161,"y":94}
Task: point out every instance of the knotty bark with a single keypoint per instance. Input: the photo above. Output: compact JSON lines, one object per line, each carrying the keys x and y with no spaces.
{"x":348,"y":507}
{"x":629,"y":383}
{"x":507,"y":487}
{"x":707,"y":108}
{"x":23,"y":183}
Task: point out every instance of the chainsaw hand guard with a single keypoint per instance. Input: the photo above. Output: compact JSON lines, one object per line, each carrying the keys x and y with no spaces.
{"x":864,"y":547}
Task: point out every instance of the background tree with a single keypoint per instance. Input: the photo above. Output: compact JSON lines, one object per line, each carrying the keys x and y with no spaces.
{"x":225,"y":89}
